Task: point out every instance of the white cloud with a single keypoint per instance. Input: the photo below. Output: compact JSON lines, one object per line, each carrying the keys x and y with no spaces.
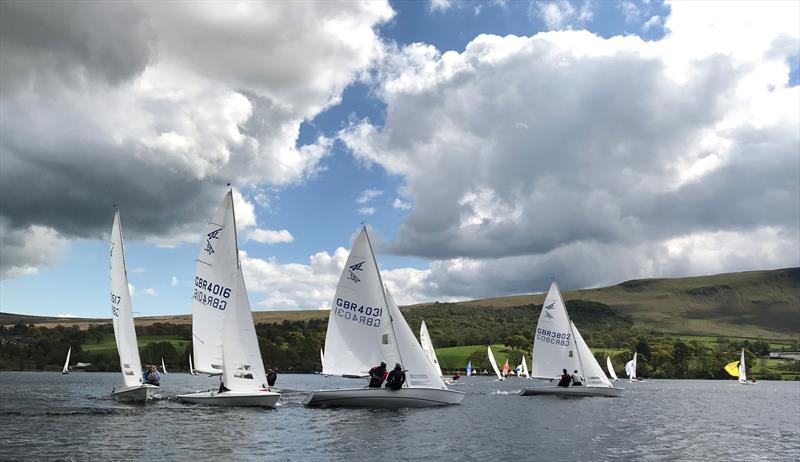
{"x":630,"y":11}
{"x":24,"y":250}
{"x":137,"y":270}
{"x":654,"y":21}
{"x":561,"y":14}
{"x":66,"y":316}
{"x":150,"y":292}
{"x":366,"y":210}
{"x":269,"y":236}
{"x":368,"y":195}
{"x":173,"y":281}
{"x":439,"y":5}
{"x":400,"y":204}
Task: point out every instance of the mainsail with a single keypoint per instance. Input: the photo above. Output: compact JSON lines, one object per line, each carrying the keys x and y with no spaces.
{"x":427,"y":346}
{"x":66,"y":363}
{"x":610,"y":368}
{"x":493,"y":363}
{"x":525,"y":372}
{"x":121,"y":310}
{"x":630,"y":367}
{"x":469,"y":368}
{"x":742,"y":371}
{"x":554,"y":342}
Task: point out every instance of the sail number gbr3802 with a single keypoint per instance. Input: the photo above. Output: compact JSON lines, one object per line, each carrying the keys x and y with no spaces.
{"x":361,"y":314}
{"x":211,"y":294}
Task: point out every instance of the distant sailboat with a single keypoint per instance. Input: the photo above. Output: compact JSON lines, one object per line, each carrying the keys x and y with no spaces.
{"x":493,"y":363}
{"x":739,"y":369}
{"x":191,"y":366}
{"x":505,"y":369}
{"x":469,"y":369}
{"x":558,"y":345}
{"x":222,"y":323}
{"x":525,"y":372}
{"x":321,"y":358}
{"x":630,"y":367}
{"x":427,"y":346}
{"x":366,"y":327}
{"x":163,"y":367}
{"x":122,"y":317}
{"x":610,"y":368}
{"x":66,"y":363}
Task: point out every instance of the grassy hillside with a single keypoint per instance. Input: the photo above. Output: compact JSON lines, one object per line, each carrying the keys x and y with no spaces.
{"x":754,"y":304}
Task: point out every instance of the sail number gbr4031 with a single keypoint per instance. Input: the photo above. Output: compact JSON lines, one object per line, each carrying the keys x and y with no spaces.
{"x":351,"y":311}
{"x":211,"y":294}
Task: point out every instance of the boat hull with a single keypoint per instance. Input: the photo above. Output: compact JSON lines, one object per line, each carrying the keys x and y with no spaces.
{"x":573,"y":391}
{"x":232,"y":398}
{"x":384,"y":397}
{"x":137,"y":394}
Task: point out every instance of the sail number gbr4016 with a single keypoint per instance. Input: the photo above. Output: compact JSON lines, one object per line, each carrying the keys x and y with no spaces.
{"x":367,"y":315}
{"x":211,"y":294}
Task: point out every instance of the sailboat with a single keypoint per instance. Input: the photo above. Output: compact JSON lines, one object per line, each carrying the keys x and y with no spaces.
{"x":630,"y":368}
{"x":66,"y":363}
{"x":321,"y":358}
{"x":738,"y":369}
{"x":558,"y":345}
{"x":427,"y":345}
{"x":494,"y":363}
{"x":505,"y":369}
{"x":366,"y":327}
{"x":163,"y":367}
{"x":469,"y":369}
{"x":610,"y":368}
{"x":225,"y":339}
{"x":191,"y":366}
{"x":525,"y":372}
{"x":134,"y":388}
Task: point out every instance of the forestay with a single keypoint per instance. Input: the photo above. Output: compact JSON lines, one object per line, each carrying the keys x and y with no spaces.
{"x":121,"y":310}
{"x":590,"y":369}
{"x":427,"y":346}
{"x":359,"y":333}
{"x":553,"y":344}
{"x":215,"y":277}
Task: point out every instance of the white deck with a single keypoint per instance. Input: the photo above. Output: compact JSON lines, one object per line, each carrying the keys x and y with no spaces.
{"x":384,"y":397}
{"x":232,"y":398}
{"x":579,"y":391}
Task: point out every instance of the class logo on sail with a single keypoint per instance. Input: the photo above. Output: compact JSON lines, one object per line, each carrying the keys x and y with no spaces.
{"x":548,"y":308}
{"x":357,"y":267}
{"x":212,"y":235}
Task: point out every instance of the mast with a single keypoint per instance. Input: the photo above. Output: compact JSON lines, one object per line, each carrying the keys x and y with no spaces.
{"x":386,"y":302}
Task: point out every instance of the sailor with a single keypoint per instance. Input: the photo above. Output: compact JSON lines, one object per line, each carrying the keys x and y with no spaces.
{"x":396,"y":378}
{"x":565,"y":379}
{"x":576,"y":379}
{"x":377,"y":375}
{"x":152,"y":376}
{"x":456,"y":376}
{"x":272,"y":376}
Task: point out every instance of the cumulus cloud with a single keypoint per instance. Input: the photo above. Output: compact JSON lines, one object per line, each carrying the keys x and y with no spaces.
{"x":401,"y":204}
{"x":269,"y":236}
{"x":173,"y":281}
{"x":439,"y":5}
{"x":150,"y":292}
{"x":156,"y":106}
{"x":367,"y":195}
{"x":610,"y":171}
{"x":366,"y":210}
{"x":654,"y":21}
{"x":24,"y":250}
{"x":561,"y":14}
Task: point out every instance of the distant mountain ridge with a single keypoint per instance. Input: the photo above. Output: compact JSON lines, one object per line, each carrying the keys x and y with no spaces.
{"x":761,"y":304}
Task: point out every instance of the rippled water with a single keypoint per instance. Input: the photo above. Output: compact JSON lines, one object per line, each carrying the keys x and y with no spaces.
{"x":47,"y":415}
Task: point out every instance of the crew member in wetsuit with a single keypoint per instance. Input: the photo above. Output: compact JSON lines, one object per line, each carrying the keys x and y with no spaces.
{"x":565,"y":379}
{"x":396,"y":378}
{"x":272,"y":376}
{"x":377,"y":375}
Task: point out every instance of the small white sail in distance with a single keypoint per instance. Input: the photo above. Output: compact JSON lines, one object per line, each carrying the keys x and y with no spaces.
{"x":191,"y":366}
{"x":525,"y":372}
{"x":610,"y":368}
{"x":742,"y":369}
{"x":630,"y":367}
{"x":66,"y":363}
{"x":121,"y":310}
{"x":427,"y":346}
{"x":493,"y":362}
{"x":163,"y":367}
{"x":322,"y":358}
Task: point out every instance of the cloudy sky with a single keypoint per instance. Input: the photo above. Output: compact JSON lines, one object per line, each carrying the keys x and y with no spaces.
{"x":488,"y":145}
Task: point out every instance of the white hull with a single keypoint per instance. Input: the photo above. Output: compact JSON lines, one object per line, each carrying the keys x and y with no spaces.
{"x":138,"y":394}
{"x":579,"y":391}
{"x":384,"y":397}
{"x":232,"y":398}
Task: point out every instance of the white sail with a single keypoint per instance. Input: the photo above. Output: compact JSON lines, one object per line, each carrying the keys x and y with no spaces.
{"x":590,"y":369}
{"x":121,"y":310}
{"x":359,"y":333}
{"x":525,"y":372}
{"x":493,"y":362}
{"x":427,"y":345}
{"x":242,"y":366}
{"x":421,"y":372}
{"x":322,"y":358}
{"x":469,"y":368}
{"x":163,"y":367}
{"x":66,"y":363}
{"x":215,"y":277}
{"x":610,"y":368}
{"x":191,"y":366}
{"x":742,"y":371}
{"x":630,"y":367}
{"x":553,"y":342}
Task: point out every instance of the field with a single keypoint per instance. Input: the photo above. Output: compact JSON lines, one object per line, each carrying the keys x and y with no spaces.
{"x":109,"y":344}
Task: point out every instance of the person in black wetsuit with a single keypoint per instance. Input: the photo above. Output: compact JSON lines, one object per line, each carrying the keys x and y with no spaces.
{"x":272,"y":376}
{"x":396,"y":378}
{"x":377,"y":375}
{"x":565,"y":379}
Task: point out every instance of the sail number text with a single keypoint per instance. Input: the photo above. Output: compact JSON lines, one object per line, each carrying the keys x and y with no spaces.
{"x":205,"y":291}
{"x":351,"y":311}
{"x":551,"y":336}
{"x":115,"y":299}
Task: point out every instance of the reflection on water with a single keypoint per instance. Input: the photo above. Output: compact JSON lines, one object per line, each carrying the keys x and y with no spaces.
{"x":48,"y":415}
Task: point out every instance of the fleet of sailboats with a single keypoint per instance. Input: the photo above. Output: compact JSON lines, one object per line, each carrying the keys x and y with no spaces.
{"x":365,"y":327}
{"x":134,"y":388}
{"x":558,"y":345}
{"x":224,"y":336}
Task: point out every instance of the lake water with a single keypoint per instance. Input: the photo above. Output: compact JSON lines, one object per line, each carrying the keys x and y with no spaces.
{"x":52,"y":416}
